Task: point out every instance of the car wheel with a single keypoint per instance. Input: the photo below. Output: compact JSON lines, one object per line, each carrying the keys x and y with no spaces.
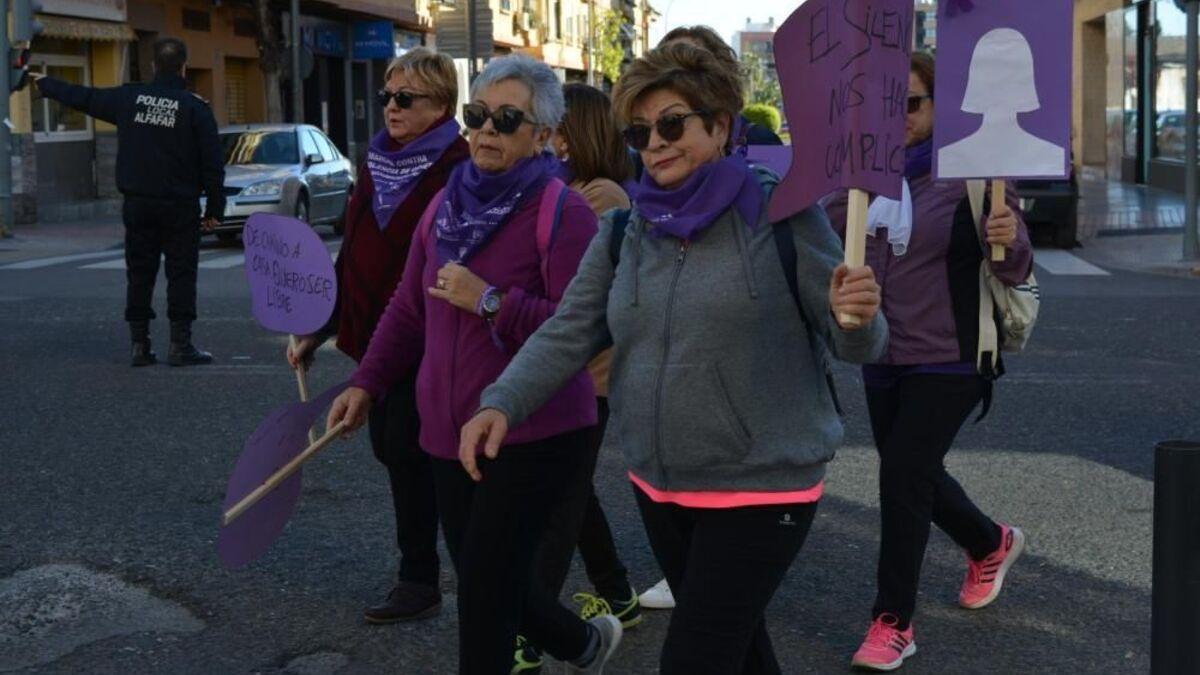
{"x":301,"y":212}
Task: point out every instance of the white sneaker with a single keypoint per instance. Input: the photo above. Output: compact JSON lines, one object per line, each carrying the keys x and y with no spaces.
{"x":610,"y":636}
{"x":658,"y":596}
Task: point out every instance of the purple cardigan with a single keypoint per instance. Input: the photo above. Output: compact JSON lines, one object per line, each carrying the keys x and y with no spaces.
{"x":931,"y":293}
{"x":461,"y":355}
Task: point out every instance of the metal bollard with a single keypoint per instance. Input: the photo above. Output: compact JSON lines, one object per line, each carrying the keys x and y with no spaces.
{"x":1175,"y":614}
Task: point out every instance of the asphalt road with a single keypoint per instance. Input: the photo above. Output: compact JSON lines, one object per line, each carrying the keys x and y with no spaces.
{"x":111,"y":481}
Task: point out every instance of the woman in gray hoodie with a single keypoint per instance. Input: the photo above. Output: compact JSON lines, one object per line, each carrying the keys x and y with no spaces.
{"x":718,"y":392}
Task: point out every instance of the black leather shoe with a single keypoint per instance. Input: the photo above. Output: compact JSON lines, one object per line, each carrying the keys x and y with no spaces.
{"x":406,"y":602}
{"x":187,"y":355}
{"x":142,"y":355}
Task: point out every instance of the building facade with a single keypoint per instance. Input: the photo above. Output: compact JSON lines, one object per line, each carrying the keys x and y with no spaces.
{"x":1129,"y":82}
{"x":925,"y":26}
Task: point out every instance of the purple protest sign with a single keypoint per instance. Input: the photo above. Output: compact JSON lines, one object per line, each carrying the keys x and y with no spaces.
{"x":292,"y":283}
{"x":1003,"y":99}
{"x":777,"y":158}
{"x":843,"y":66}
{"x":276,"y":441}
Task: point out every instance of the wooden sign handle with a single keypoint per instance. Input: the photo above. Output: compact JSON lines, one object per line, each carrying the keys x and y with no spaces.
{"x":856,"y":242}
{"x":282,"y":474}
{"x":997,"y":203}
{"x":302,"y":383}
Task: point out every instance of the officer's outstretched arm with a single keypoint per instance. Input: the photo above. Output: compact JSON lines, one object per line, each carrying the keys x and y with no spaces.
{"x":103,"y":104}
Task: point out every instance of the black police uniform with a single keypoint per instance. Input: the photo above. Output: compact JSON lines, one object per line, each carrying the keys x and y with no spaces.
{"x":168,"y":154}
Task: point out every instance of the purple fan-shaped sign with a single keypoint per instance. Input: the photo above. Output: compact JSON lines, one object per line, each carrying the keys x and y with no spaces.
{"x":276,"y":441}
{"x":293,"y":287}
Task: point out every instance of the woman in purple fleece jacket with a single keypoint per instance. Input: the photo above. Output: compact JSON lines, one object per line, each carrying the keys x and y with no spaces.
{"x":474,"y":289}
{"x":927,"y":384}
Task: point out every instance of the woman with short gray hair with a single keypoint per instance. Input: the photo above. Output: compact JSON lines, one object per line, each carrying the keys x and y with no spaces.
{"x":492,"y":257}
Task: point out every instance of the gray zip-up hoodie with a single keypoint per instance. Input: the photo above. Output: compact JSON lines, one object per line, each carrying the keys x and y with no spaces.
{"x":714,"y":383}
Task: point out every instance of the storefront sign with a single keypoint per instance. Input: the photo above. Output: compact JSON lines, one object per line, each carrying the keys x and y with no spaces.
{"x":373,"y":40}
{"x":326,"y":40}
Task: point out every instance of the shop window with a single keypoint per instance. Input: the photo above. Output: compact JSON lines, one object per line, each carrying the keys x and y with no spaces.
{"x":244,"y":28}
{"x":51,"y":120}
{"x":236,"y":91}
{"x":197,"y":20}
{"x":1170,"y":80}
{"x":1131,"y":118}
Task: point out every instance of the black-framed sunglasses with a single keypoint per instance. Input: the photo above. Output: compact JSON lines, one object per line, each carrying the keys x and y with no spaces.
{"x":914,"y":102}
{"x":670,"y":129}
{"x":403,"y":99}
{"x":506,"y":120}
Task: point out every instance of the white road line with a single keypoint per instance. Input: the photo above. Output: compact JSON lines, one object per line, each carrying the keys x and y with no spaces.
{"x":118,"y":264}
{"x":58,"y":260}
{"x":224,"y":262}
{"x":1064,"y":263}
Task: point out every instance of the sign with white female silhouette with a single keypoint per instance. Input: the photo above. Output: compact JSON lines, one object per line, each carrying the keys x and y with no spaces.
{"x":1002,"y":94}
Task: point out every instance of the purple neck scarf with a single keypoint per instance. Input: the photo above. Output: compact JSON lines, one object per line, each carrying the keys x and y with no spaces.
{"x":918,"y":159}
{"x":478,"y":203}
{"x":688,"y":210}
{"x":396,"y":172}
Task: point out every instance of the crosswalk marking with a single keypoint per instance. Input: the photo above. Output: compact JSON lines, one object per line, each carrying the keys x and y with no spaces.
{"x":1065,"y":263}
{"x":224,"y":262}
{"x":58,"y":260}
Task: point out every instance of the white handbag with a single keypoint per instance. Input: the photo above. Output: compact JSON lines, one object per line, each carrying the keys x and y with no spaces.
{"x":1016,"y":306}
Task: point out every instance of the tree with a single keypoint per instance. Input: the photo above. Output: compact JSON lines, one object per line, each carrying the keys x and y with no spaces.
{"x":272,"y":54}
{"x":764,"y":115}
{"x":610,"y":52}
{"x":760,"y":86}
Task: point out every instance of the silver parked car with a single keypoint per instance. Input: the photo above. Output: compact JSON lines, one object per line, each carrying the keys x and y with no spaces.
{"x":288,"y":169}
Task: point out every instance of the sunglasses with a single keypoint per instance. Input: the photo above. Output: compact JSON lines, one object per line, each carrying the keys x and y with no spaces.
{"x":914,"y":102}
{"x":670,"y":129}
{"x":506,"y":120}
{"x":402,"y":98}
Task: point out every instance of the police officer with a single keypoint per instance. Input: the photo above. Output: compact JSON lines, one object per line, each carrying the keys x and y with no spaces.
{"x":167,"y":155}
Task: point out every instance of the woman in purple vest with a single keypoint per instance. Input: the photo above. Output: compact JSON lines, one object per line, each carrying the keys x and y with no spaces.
{"x":478,"y":282}
{"x":928,"y":383}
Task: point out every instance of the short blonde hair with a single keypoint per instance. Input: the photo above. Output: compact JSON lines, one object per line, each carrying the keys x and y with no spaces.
{"x":695,"y":74}
{"x":434,"y":71}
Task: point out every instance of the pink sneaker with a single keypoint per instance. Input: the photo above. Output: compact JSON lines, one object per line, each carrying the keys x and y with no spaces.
{"x":985,"y":577}
{"x":885,"y":647}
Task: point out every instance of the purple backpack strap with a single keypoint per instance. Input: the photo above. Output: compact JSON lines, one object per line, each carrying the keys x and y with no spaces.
{"x":550,"y":211}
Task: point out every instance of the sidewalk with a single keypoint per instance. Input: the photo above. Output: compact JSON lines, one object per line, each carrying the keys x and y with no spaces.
{"x":1132,"y":227}
{"x":43,"y":240}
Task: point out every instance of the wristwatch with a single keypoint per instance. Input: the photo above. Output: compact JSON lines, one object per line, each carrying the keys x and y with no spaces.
{"x":489,"y":303}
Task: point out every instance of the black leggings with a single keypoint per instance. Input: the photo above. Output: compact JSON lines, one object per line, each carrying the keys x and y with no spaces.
{"x":723,"y":566}
{"x":492,"y":530}
{"x":580,"y":519}
{"x":914,"y":422}
{"x":395,"y":428}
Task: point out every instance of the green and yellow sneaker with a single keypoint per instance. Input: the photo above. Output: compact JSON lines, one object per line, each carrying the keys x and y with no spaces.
{"x":527,"y":659}
{"x":628,"y":612}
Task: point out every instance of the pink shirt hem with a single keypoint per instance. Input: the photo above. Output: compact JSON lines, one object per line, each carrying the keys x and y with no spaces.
{"x":728,"y":500}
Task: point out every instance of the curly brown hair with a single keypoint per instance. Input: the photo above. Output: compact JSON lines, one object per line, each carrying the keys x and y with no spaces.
{"x":695,"y":74}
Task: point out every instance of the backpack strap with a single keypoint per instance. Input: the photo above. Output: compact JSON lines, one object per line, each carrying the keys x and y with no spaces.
{"x":785,"y":246}
{"x":550,"y":211}
{"x":425,"y":225}
{"x":620,"y":225}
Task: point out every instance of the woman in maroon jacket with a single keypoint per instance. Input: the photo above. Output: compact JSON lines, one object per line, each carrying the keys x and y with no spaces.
{"x":409,"y":161}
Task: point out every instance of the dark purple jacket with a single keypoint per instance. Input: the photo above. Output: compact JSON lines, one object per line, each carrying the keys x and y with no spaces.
{"x":931,"y":293}
{"x":455,"y":352}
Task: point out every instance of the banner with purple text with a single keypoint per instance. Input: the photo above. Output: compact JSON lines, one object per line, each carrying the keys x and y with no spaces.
{"x":843,"y":66}
{"x":293,"y":287}
{"x":1003,"y":98}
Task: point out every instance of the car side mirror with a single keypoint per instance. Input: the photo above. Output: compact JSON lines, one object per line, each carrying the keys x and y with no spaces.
{"x":314,"y":158}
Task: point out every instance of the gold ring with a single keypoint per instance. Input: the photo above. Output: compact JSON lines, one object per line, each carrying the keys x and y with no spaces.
{"x":441,"y":284}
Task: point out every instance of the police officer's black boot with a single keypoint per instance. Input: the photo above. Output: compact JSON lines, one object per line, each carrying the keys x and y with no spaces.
{"x":182,"y":351}
{"x":139,"y":331}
